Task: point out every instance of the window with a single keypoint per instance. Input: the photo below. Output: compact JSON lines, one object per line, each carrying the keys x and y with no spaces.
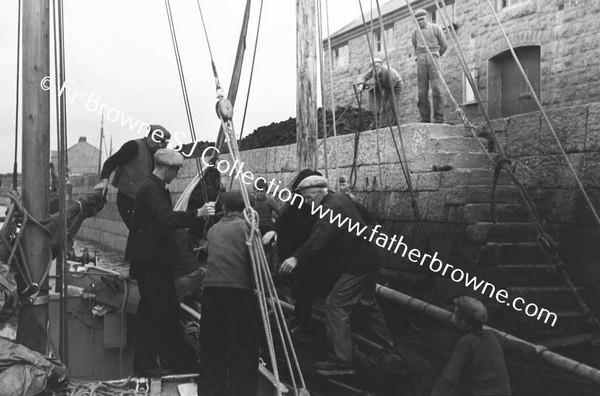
{"x":468,"y":95}
{"x":340,"y":56}
{"x":433,"y":14}
{"x":377,"y":45}
{"x":389,"y":37}
{"x":500,"y":4}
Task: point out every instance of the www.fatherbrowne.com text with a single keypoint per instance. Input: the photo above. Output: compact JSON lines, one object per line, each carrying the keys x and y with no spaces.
{"x":396,"y":244}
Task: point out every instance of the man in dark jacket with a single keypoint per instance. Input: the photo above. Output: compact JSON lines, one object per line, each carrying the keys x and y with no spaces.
{"x":133,"y":164}
{"x":354,"y":257}
{"x":153,"y":251}
{"x":312,"y":280}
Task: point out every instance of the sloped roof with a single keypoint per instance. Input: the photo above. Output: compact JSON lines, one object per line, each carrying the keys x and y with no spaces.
{"x":385,"y":9}
{"x":391,"y":11}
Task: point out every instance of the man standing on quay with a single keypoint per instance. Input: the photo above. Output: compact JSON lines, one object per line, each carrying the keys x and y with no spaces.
{"x":426,"y":70}
{"x":133,"y":163}
{"x":391,"y":88}
{"x":153,"y":251}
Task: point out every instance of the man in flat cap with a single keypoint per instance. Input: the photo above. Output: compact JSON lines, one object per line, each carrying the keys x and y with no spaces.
{"x":390,"y":84}
{"x":133,"y":163}
{"x":426,"y":70}
{"x":353,"y":255}
{"x":153,"y":252}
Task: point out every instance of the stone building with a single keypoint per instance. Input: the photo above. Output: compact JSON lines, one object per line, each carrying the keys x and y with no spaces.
{"x":555,"y":40}
{"x":82,"y":156}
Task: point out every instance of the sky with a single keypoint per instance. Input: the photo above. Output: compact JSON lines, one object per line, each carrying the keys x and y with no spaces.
{"x":118,"y":53}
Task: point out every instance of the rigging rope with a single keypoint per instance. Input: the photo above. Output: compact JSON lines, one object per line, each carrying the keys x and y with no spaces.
{"x":401,"y":153}
{"x":186,"y":100}
{"x":545,"y":116}
{"x":262,"y":277}
{"x":251,"y":70}
{"x":14,"y":178}
{"x":212,"y":61}
{"x":61,"y":129}
{"x":330,"y":70}
{"x":322,"y":76}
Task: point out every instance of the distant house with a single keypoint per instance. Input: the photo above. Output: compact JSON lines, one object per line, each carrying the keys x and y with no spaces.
{"x":82,"y":157}
{"x":556,"y":42}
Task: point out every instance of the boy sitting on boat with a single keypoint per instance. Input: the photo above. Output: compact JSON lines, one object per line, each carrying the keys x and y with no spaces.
{"x":477,"y":366}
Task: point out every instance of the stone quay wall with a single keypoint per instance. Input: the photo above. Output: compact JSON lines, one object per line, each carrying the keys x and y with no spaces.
{"x":451,"y":176}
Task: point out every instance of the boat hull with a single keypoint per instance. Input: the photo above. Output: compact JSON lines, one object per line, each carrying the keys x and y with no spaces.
{"x":101,"y":348}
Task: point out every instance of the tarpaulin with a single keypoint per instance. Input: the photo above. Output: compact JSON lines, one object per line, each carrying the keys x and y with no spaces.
{"x":26,"y":372}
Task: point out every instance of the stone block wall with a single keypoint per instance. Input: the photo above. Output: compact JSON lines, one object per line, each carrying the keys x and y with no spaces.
{"x":539,"y":164}
{"x":451,"y":175}
{"x":566,"y":31}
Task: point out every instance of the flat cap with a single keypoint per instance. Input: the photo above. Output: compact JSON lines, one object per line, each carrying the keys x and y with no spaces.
{"x":156,"y":128}
{"x":472,"y":309}
{"x":420,"y":13}
{"x":375,"y":60}
{"x":168,"y":157}
{"x":312,"y":181}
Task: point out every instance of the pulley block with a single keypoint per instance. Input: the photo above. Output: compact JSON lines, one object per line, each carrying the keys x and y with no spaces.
{"x":224,"y":109}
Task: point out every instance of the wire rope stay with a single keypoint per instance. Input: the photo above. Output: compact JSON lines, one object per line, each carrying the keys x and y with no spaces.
{"x":322,"y":77}
{"x":545,"y":116}
{"x":400,"y":152}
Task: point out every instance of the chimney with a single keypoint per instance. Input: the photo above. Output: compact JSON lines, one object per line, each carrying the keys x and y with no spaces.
{"x":82,"y":139}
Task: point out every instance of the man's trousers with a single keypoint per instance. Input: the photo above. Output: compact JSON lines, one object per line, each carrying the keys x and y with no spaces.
{"x":426,"y":76}
{"x":229,"y":339}
{"x":351,"y":291}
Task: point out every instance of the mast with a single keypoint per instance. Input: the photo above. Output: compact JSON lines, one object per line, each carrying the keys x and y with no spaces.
{"x":33,"y":319}
{"x":237,"y":70}
{"x":306,"y":84}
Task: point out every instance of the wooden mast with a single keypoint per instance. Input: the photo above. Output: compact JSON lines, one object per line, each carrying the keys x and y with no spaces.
{"x":306,"y":84}
{"x":33,"y":319}
{"x":237,"y":70}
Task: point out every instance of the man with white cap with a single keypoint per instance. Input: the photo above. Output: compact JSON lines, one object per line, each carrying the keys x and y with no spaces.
{"x":391,"y":84}
{"x":353,"y":256}
{"x":133,"y":163}
{"x":426,"y":70}
{"x":153,"y":252}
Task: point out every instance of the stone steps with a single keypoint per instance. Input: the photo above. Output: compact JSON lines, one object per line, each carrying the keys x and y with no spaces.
{"x":505,"y":212}
{"x":435,"y":130}
{"x":427,"y":161}
{"x":550,"y":297}
{"x":474,"y":176}
{"x":501,"y":232}
{"x":507,"y":253}
{"x":456,"y":144}
{"x":523,"y":274}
